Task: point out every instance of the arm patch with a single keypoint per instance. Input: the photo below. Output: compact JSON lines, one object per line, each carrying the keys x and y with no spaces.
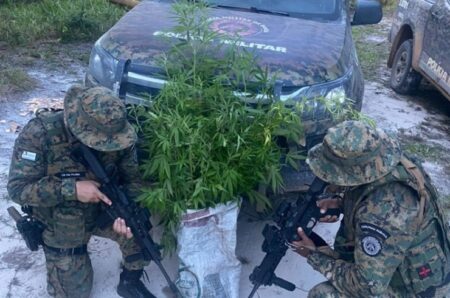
{"x":371,"y":245}
{"x":28,"y":155}
{"x":374,"y":230}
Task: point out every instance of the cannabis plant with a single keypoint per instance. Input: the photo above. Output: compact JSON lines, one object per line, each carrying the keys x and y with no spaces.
{"x":209,"y":137}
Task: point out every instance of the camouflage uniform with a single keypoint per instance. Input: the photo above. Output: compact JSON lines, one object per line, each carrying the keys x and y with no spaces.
{"x":43,"y":175}
{"x":393,"y":240}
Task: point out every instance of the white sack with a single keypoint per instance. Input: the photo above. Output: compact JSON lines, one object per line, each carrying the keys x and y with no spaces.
{"x":206,"y":250}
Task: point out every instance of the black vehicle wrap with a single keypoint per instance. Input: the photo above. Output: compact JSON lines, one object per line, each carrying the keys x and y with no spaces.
{"x":311,"y":56}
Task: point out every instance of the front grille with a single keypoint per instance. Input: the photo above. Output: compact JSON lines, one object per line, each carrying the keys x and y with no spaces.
{"x":137,"y":84}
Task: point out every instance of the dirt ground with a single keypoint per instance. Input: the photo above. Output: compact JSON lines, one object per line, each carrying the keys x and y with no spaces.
{"x":421,"y":122}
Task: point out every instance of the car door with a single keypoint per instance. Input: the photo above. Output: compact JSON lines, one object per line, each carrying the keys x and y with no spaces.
{"x":435,"y":58}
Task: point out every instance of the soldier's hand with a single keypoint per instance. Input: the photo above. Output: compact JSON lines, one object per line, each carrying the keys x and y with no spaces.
{"x":329,"y":203}
{"x":88,"y":192}
{"x":120,"y":227}
{"x":304,"y":246}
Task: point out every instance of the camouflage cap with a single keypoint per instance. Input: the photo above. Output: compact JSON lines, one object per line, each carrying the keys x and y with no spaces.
{"x":353,"y":153}
{"x":98,"y":119}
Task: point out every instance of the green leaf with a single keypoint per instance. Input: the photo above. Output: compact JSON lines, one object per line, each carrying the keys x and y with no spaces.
{"x":205,"y":145}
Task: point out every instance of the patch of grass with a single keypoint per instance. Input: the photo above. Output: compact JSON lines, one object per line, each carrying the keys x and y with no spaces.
{"x":445,"y":203}
{"x":371,"y":54}
{"x":424,"y":151}
{"x":47,"y":55}
{"x":14,"y":80}
{"x":24,"y":22}
{"x":389,"y":5}
{"x":416,"y":145}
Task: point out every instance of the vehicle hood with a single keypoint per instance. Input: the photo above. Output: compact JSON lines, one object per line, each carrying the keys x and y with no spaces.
{"x":300,"y":52}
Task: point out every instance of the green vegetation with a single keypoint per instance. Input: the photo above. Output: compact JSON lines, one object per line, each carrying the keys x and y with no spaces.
{"x":24,"y":22}
{"x":370,"y":54}
{"x":446,"y":201}
{"x":425,"y":151}
{"x":206,"y":144}
{"x":446,"y":205}
{"x":15,"y":79}
{"x":370,"y":43}
{"x":389,"y":5}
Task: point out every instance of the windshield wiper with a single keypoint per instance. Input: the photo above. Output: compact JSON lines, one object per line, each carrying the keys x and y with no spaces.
{"x":253,"y":9}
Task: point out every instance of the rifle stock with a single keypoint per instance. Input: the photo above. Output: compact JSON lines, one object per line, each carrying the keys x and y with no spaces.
{"x":304,"y":214}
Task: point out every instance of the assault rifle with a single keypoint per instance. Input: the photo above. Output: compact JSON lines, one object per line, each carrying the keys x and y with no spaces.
{"x":137,"y":218}
{"x":288,"y":217}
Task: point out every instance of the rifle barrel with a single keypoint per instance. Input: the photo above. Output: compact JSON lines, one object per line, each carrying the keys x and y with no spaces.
{"x":253,"y":292}
{"x":172,"y":285}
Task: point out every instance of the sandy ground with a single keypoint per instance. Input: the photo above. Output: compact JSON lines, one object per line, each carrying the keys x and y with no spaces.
{"x":424,"y":117}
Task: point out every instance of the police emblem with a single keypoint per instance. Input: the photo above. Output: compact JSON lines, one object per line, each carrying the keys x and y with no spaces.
{"x":231,"y":25}
{"x":371,"y":246}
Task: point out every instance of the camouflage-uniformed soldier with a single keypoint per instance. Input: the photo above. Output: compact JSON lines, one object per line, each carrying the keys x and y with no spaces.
{"x":64,"y":194}
{"x":393,"y":240}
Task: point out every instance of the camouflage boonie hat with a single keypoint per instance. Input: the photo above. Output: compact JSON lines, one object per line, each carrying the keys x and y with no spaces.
{"x":98,"y":119}
{"x":353,"y":153}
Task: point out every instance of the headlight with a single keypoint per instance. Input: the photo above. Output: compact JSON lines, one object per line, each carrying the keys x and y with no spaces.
{"x":337,"y":94}
{"x":334,"y":91}
{"x":102,"y":66}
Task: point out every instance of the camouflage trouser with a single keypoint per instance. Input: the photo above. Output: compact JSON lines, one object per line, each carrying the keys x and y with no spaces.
{"x":326,"y":290}
{"x":71,"y":276}
{"x":443,"y":292}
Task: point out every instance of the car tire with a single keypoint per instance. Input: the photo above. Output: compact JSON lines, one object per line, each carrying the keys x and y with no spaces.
{"x":404,"y":79}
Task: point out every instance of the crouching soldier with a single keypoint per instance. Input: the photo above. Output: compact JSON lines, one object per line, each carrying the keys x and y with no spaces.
{"x":65,"y":196}
{"x":393,"y":240}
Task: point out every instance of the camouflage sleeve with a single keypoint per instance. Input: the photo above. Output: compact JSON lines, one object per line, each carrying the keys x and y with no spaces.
{"x":385,"y":225}
{"x":28,"y":182}
{"x":129,"y":172}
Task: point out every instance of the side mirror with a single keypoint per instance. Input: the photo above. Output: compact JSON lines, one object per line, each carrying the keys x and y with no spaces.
{"x":367,"y":12}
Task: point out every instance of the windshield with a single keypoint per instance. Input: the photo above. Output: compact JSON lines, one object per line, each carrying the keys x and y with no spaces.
{"x":314,"y":9}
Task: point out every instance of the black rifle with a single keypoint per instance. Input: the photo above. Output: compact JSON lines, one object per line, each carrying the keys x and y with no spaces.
{"x":289,"y":217}
{"x":30,"y":228}
{"x":137,"y":218}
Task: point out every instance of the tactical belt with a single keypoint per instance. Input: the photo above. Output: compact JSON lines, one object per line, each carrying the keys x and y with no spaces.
{"x":80,"y":250}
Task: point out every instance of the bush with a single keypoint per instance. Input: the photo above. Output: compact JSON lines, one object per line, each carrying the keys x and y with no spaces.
{"x":24,"y":22}
{"x":206,"y":144}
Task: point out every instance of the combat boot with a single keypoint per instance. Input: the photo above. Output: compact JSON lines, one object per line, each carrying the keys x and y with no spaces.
{"x":130,"y":285}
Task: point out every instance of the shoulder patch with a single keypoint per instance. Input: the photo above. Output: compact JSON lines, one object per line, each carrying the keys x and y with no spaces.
{"x":374,"y":230}
{"x":29,"y":155}
{"x":371,"y":246}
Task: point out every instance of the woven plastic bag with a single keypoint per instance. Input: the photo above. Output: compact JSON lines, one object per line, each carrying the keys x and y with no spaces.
{"x":206,"y":251}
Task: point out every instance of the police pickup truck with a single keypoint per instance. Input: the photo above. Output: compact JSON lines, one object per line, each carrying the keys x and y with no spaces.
{"x":307,"y":43}
{"x":420,"y":37}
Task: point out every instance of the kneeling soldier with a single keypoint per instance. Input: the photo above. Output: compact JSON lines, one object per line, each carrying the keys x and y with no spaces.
{"x":393,"y":240}
{"x":64,"y":195}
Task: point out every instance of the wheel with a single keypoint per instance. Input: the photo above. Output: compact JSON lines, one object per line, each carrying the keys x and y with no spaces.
{"x":404,"y":79}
